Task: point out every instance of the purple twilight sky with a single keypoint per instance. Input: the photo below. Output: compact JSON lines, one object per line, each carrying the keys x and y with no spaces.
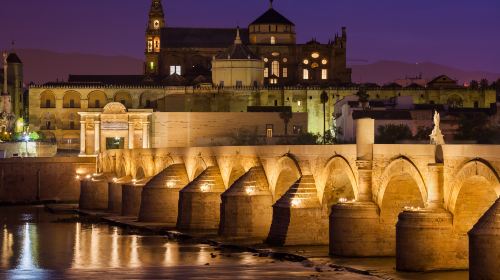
{"x":460,"y":33}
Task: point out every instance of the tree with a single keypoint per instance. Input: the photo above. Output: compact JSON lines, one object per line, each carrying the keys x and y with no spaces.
{"x":484,"y":84}
{"x":286,"y":116}
{"x":423,"y":133}
{"x":363,"y":97}
{"x":475,"y":127}
{"x":392,"y":133}
{"x":306,"y":138}
{"x":324,"y":100}
{"x":474,"y":84}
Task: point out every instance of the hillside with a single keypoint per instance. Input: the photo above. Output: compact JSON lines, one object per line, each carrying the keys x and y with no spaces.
{"x":42,"y":66}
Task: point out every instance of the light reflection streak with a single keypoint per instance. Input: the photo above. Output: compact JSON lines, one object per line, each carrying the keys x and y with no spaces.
{"x":7,"y":242}
{"x":94,"y":247}
{"x":115,"y":256}
{"x":134,"y":256}
{"x":27,"y":260}
{"x":77,"y":257}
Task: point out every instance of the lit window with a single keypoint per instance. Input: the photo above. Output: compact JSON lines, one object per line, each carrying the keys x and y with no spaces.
{"x":306,"y":61}
{"x":150,"y":45}
{"x":275,"y":54}
{"x":275,"y":68}
{"x":265,"y":59}
{"x":175,"y":69}
{"x":152,"y":65}
{"x":297,"y":129}
{"x":285,"y":72}
{"x":314,"y":65}
{"x":324,"y":74}
{"x":305,"y":75}
{"x":157,"y":44}
{"x":324,"y":61}
{"x":156,"y":24}
{"x":266,"y":72}
{"x":269,"y":130}
{"x":285,"y":60}
{"x":299,"y":103}
{"x":273,"y":81}
{"x":315,"y":55}
{"x":273,"y":40}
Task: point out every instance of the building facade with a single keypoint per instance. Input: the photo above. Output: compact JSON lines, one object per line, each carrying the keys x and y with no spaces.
{"x":188,"y":52}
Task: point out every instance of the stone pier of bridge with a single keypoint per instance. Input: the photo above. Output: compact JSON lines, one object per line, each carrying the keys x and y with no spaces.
{"x":416,"y":202}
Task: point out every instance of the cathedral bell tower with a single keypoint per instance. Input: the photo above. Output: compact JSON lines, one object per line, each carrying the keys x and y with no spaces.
{"x":156,"y":22}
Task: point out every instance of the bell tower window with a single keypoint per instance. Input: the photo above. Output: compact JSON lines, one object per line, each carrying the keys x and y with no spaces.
{"x":273,"y":40}
{"x":150,"y":45}
{"x":156,"y":24}
{"x":152,"y":65}
{"x":157,"y":44}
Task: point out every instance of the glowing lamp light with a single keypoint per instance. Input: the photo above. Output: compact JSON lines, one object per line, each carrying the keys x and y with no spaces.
{"x":88,"y":176}
{"x":205,"y":187}
{"x":134,"y":181}
{"x":250,"y":190}
{"x":296,"y":202}
{"x":115,"y":180}
{"x":77,"y":177}
{"x":342,"y":200}
{"x":171,"y":184}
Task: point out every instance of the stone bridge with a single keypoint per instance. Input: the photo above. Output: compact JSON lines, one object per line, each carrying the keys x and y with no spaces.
{"x":415,"y":202}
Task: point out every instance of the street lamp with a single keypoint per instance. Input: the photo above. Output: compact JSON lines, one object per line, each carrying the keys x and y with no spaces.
{"x":324,"y":100}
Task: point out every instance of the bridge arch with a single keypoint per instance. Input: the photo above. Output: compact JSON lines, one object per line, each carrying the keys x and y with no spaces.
{"x":401,"y":185}
{"x":340,"y":182}
{"x":475,"y":187}
{"x":289,"y":173}
{"x":400,"y":167}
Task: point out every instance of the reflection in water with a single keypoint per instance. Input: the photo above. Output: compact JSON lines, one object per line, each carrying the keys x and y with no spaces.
{"x":35,"y":246}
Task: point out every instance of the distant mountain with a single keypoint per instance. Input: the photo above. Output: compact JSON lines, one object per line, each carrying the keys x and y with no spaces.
{"x":383,"y":72}
{"x":43,"y":66}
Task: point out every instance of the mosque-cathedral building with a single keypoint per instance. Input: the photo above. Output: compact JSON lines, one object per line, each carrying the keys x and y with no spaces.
{"x":220,"y":70}
{"x":190,"y":52}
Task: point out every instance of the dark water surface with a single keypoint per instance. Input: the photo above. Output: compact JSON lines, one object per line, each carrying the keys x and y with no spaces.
{"x":35,"y":244}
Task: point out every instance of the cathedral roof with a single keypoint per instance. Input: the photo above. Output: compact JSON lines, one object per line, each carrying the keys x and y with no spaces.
{"x":13,"y":58}
{"x":272,"y":16}
{"x":180,"y":37}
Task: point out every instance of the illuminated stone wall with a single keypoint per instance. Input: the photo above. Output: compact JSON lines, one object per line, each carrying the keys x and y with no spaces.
{"x":189,"y":99}
{"x":52,"y":178}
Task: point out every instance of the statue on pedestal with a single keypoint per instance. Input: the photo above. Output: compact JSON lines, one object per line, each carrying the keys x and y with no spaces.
{"x":437,"y":137}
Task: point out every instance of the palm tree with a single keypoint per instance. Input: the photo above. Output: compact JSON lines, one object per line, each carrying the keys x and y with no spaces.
{"x":324,"y":100}
{"x":286,"y":116}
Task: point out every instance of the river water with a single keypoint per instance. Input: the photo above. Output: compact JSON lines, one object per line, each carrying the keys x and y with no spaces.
{"x":36,"y":244}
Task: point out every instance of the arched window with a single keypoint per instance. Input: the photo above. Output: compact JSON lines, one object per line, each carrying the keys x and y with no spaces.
{"x":124,"y":98}
{"x":273,"y":40}
{"x":97,"y":99}
{"x":305,"y":74}
{"x":275,"y":68}
{"x":71,"y":99}
{"x":47,"y":100}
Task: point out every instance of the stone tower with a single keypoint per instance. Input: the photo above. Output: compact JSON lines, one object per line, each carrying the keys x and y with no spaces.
{"x":6,"y":99}
{"x":16,"y":87}
{"x":341,"y":74}
{"x":156,"y":23}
